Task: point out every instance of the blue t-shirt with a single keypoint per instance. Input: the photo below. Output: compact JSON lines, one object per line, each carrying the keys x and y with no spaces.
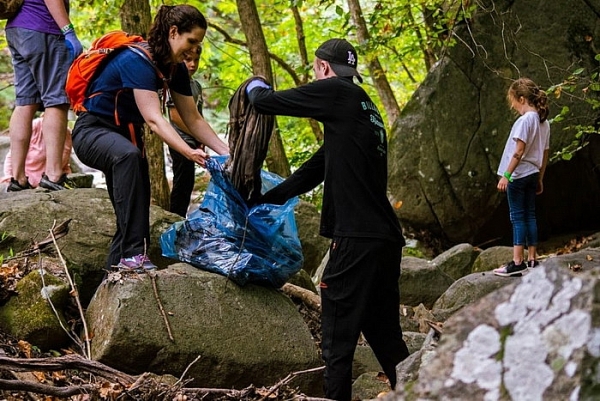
{"x":126,"y":71}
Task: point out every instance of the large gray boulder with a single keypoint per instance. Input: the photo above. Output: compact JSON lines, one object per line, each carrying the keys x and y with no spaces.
{"x":421,"y":282}
{"x":241,"y":335}
{"x":533,"y":339}
{"x":446,"y":145}
{"x":27,"y":217}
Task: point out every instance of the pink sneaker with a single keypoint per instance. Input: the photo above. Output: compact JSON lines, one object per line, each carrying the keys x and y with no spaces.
{"x":138,"y":263}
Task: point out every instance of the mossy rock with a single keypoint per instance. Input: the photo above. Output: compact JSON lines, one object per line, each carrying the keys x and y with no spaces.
{"x":29,"y":315}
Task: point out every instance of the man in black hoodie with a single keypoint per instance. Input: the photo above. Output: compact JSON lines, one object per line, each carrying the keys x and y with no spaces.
{"x":359,"y":287}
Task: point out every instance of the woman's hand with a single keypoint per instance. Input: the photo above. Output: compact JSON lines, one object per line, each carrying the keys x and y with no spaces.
{"x":198,"y":156}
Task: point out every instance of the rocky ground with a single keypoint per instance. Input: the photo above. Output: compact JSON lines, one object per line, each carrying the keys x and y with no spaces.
{"x":48,"y":384}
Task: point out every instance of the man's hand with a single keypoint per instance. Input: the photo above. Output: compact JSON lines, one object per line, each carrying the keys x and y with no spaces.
{"x":256,"y":83}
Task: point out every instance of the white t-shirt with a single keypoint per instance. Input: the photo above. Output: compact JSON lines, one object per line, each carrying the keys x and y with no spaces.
{"x":536,"y":136}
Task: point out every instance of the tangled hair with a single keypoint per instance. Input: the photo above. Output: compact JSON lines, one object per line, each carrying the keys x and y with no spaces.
{"x":532,"y":93}
{"x":184,"y":17}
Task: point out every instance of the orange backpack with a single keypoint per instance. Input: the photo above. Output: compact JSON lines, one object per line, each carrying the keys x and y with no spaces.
{"x":87,"y":65}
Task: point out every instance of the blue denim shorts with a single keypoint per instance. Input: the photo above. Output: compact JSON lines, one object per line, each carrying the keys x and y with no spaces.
{"x":41,"y":63}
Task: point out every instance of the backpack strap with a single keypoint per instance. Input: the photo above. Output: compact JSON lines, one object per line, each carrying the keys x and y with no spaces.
{"x":143,"y":52}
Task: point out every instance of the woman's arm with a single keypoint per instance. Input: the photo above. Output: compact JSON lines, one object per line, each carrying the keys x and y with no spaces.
{"x":149,"y":105}
{"x":196,"y":125}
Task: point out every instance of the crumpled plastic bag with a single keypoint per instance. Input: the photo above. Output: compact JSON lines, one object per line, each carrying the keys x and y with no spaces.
{"x":247,"y":245}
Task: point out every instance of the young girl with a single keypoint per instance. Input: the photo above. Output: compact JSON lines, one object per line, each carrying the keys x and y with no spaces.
{"x":130,"y":84}
{"x":522,"y":169}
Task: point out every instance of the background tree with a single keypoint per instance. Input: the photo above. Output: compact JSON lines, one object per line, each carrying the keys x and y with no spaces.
{"x":378,"y":75}
{"x":261,"y":65}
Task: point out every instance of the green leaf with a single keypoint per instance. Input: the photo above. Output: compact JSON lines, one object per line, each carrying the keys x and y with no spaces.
{"x":567,"y":156}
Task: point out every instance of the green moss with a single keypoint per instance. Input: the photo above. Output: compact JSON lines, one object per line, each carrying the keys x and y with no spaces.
{"x":29,"y":315}
{"x":414,"y":252}
{"x":558,"y":363}
{"x":504,"y":333}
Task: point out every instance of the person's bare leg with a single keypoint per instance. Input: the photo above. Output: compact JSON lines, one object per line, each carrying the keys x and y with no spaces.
{"x":532,"y":252}
{"x":20,"y":135}
{"x":55,"y":131}
{"x":518,"y":251}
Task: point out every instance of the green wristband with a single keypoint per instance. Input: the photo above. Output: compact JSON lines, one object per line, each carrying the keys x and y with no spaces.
{"x":508,"y":176}
{"x":67,"y":28}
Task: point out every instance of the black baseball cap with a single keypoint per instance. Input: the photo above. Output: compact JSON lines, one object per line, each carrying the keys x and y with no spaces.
{"x":342,"y":57}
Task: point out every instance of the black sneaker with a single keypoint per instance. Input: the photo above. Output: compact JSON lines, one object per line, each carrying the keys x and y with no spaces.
{"x":532,"y":263}
{"x":14,"y":186}
{"x":511,"y":269}
{"x":62,"y":183}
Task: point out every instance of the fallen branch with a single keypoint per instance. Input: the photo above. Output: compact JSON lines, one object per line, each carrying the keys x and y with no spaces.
{"x":311,"y":299}
{"x":160,"y":305}
{"x":72,"y":361}
{"x":18,"y":385}
{"x":57,"y":232}
{"x":62,"y":230}
{"x":288,"y":379}
{"x":128,"y":382}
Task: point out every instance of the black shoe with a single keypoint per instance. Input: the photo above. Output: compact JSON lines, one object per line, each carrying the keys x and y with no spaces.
{"x":14,"y":186}
{"x":532,"y":263}
{"x":62,"y":183}
{"x":511,"y":269}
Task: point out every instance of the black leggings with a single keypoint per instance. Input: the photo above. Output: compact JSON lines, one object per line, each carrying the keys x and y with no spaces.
{"x":184,"y":176}
{"x":106,"y":147}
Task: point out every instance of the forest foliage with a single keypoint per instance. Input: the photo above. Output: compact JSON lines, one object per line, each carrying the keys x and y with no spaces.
{"x":400,"y":37}
{"x":405,"y":37}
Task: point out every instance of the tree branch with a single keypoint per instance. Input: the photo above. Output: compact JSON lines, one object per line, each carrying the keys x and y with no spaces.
{"x":18,"y":385}
{"x":311,"y":299}
{"x":73,"y":361}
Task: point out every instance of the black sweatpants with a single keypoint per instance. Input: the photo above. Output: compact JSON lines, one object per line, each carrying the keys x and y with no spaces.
{"x":106,"y":147}
{"x":359,"y":292}
{"x":184,"y":176}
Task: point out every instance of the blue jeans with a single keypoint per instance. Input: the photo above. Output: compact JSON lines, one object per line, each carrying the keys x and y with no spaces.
{"x":521,"y":205}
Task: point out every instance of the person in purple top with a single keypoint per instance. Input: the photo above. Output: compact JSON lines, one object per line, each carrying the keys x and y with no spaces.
{"x":43,"y":43}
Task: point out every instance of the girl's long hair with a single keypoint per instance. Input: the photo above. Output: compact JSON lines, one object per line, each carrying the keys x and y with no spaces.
{"x":532,"y":93}
{"x":184,"y":17}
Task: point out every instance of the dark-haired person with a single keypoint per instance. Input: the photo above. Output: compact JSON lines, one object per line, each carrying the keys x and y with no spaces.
{"x":130,"y":84}
{"x":359,"y":287}
{"x":42,"y":43}
{"x":184,"y":170}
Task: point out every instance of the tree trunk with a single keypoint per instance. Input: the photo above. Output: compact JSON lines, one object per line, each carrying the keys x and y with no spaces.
{"x":277,"y":161}
{"x":377,"y":74}
{"x":136,"y":19}
{"x":300,"y":37}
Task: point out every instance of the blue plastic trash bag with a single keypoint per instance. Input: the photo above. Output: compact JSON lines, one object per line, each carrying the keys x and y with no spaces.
{"x":258,"y":245}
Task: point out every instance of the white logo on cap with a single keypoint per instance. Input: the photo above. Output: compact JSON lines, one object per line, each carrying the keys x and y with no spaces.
{"x":351,"y":58}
